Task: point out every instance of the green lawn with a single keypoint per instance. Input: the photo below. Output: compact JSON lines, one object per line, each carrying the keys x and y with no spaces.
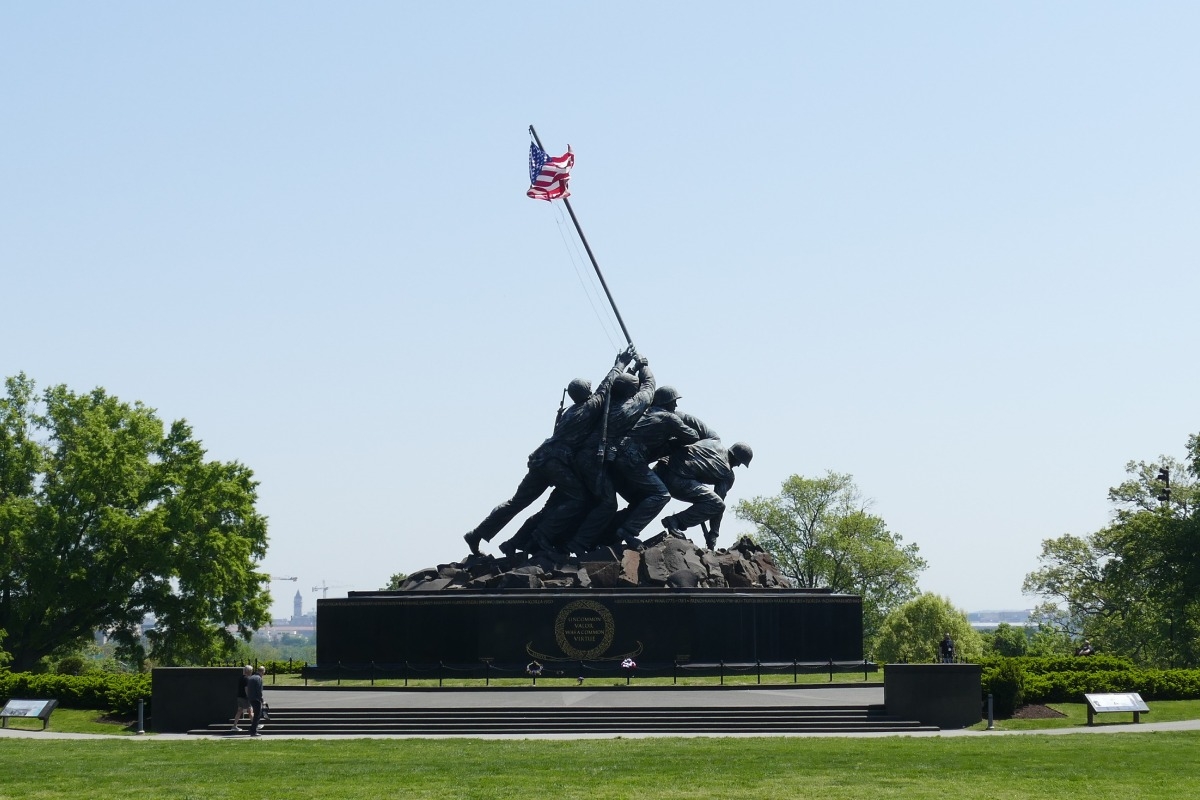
{"x":1160,"y":711}
{"x":1129,"y":765}
{"x":73,"y":720}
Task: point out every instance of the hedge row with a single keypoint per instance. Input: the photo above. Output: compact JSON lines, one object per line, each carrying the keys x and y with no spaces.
{"x":116,"y":693}
{"x":1151,"y":684}
{"x":289,"y":667}
{"x":1069,"y":686}
{"x":1043,"y":664}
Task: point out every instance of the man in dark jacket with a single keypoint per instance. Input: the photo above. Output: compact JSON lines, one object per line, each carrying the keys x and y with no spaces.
{"x":243,"y":702}
{"x":946,"y":648}
{"x":254,"y":691}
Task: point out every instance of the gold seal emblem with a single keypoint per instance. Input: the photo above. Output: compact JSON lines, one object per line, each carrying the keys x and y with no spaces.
{"x":584,"y":629}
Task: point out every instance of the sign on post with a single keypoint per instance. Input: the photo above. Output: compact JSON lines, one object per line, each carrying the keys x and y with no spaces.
{"x":37,"y":709}
{"x":1103,"y":703}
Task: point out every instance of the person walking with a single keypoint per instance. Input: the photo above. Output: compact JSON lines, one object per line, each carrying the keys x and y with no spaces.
{"x":254,"y":692}
{"x":266,"y":710}
{"x":243,"y":702}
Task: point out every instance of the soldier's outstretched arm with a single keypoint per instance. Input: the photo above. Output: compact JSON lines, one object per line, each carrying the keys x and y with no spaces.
{"x":597,"y":398}
{"x":648,"y":383}
{"x":681,"y":433}
{"x":705,"y":431}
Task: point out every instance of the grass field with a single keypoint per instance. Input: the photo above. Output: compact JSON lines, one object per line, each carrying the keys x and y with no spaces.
{"x":1076,"y":716}
{"x":74,"y":720}
{"x":1127,"y":765}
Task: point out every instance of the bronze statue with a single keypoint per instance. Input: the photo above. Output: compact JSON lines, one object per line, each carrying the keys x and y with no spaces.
{"x":653,"y":436}
{"x":551,"y":464}
{"x":629,"y":399}
{"x":702,"y":474}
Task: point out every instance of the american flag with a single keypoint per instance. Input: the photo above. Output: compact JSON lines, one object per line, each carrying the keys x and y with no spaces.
{"x":548,"y":176}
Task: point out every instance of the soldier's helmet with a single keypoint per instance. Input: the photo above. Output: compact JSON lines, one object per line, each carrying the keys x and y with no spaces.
{"x":742,"y":452}
{"x":624,"y":387}
{"x":579,"y":389}
{"x":665,"y":394}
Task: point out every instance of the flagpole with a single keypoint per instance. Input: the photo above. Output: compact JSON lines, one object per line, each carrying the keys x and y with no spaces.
{"x":588,"y":248}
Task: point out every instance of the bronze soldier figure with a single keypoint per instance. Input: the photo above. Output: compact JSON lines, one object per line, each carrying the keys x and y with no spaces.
{"x":551,"y":463}
{"x":690,"y":472}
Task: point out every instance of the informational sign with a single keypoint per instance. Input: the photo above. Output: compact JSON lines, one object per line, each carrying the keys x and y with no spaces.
{"x":38,"y":709}
{"x":1116,"y":701}
{"x":1130,"y":701}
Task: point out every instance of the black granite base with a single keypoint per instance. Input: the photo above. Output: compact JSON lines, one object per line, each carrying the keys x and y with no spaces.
{"x":945,"y":695}
{"x":182,"y":698}
{"x":656,"y":628}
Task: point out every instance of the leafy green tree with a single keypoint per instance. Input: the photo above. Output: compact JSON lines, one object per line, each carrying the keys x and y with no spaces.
{"x":1008,"y":640}
{"x":1133,"y":587}
{"x":912,"y":632}
{"x":105,"y":518}
{"x":822,"y":536}
{"x":1049,"y":640}
{"x":395,"y":582}
{"x":5,"y":656}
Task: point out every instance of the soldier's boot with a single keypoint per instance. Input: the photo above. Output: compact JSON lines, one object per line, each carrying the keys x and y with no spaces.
{"x":631,"y":541}
{"x":710,"y":540}
{"x":546,"y":547}
{"x":473,"y":539}
{"x":672,"y":527}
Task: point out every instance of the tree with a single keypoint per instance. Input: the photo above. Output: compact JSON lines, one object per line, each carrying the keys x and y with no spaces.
{"x":1008,"y":640}
{"x":1133,"y":587}
{"x":1048,"y":640}
{"x":911,"y":633}
{"x":822,"y":536}
{"x":106,"y":518}
{"x":395,"y":582}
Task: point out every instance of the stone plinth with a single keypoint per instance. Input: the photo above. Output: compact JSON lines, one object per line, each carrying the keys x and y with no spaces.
{"x":655,"y":627}
{"x":945,"y":695}
{"x":182,"y":698}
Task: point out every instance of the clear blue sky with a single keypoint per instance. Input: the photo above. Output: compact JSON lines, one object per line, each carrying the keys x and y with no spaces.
{"x":949,"y":248}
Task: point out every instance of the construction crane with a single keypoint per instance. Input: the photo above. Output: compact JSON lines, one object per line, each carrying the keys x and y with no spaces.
{"x":324,"y":590}
{"x":282,"y":578}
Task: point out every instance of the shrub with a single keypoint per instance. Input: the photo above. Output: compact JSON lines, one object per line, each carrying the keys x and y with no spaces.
{"x":1067,"y":679}
{"x":1043,"y":664}
{"x":71,"y":665}
{"x":101,"y":691}
{"x":1006,"y":684}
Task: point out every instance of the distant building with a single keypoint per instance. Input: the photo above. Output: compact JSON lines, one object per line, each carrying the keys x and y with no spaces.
{"x":297,"y":605}
{"x":990,"y":620}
